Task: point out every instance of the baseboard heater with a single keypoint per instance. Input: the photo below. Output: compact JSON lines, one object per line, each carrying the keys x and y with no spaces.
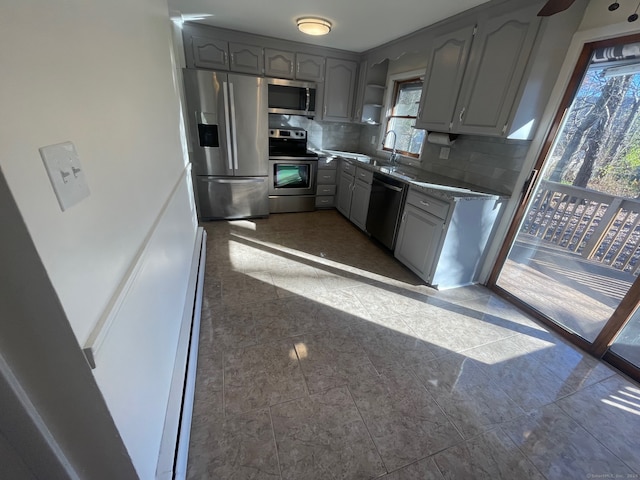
{"x":174,"y":450}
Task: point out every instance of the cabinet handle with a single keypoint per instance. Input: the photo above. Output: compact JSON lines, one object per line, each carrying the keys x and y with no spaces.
{"x":462,"y":113}
{"x":298,"y":68}
{"x":326,"y":176}
{"x":404,"y":215}
{"x":233,"y":58}
{"x":426,"y":204}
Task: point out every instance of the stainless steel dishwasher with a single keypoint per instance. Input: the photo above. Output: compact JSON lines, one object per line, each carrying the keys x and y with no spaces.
{"x":385,"y":207}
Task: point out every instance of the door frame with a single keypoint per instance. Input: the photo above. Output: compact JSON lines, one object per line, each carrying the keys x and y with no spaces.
{"x":600,"y":347}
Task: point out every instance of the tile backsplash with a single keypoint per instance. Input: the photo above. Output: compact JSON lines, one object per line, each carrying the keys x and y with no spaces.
{"x":490,"y":162}
{"x":322,"y":135}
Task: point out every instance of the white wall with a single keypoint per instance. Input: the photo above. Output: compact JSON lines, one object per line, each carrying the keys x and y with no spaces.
{"x":99,"y":73}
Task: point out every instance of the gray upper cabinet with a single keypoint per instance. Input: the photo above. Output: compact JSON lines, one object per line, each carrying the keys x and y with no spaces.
{"x":495,"y":71}
{"x":208,"y":53}
{"x":339,"y":87}
{"x":309,"y":67}
{"x":246,"y":58}
{"x":471,"y":81}
{"x":279,"y":63}
{"x":446,"y":62}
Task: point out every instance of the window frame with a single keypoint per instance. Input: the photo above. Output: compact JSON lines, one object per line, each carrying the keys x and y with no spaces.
{"x":393,"y":86}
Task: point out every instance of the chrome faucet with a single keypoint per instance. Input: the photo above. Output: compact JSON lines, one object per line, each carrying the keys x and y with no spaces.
{"x":394,"y":155}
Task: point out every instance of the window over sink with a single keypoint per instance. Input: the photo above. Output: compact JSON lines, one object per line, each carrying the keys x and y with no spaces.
{"x":402,"y":110}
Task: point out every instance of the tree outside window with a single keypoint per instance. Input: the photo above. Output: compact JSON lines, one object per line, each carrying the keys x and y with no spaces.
{"x":405,"y":101}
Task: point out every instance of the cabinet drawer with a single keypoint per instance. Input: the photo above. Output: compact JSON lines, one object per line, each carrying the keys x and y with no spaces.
{"x":327,"y":163}
{"x":326,"y":190}
{"x":348,"y":168}
{"x":364,"y":175}
{"x":325,"y":201}
{"x":427,"y":203}
{"x":326,"y":177}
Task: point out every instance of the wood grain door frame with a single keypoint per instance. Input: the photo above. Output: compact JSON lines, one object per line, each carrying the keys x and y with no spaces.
{"x":600,"y":347}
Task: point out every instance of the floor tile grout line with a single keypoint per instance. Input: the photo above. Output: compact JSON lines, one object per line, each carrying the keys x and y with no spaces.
{"x":355,"y":404}
{"x":568,"y":414}
{"x":275,"y":442}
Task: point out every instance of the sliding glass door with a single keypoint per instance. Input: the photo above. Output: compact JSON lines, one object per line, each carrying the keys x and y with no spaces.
{"x":574,"y":248}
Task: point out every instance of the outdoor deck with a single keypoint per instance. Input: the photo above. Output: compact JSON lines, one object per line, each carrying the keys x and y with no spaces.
{"x":580,"y":293}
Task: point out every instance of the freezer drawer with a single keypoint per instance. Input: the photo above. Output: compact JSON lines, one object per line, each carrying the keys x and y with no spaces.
{"x":232,"y":197}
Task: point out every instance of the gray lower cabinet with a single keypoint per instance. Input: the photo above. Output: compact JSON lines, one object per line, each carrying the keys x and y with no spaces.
{"x":246,"y":58}
{"x":326,"y":188}
{"x":343,"y":203}
{"x":418,"y":240}
{"x":209,"y":53}
{"x":474,"y":74}
{"x":354,"y":190}
{"x":339,"y":90}
{"x":444,"y":241}
{"x":360,"y":203}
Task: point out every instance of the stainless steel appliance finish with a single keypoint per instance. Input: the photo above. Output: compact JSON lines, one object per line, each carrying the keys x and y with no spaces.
{"x":228,"y":128}
{"x":385,"y":205}
{"x":288,"y":97}
{"x":293,"y":171}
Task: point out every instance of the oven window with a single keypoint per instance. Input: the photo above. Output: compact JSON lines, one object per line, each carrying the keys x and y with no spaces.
{"x":292,"y":176}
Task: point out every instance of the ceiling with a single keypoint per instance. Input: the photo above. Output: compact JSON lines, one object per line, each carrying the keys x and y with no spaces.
{"x":358,"y":25}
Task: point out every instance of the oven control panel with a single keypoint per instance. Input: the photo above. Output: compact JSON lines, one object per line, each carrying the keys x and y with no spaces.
{"x":296,"y":133}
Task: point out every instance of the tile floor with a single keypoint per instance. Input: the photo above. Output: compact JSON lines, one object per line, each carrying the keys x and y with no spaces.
{"x":322,"y":357}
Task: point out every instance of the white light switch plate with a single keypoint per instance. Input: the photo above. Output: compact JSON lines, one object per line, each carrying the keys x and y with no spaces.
{"x":65,"y":173}
{"x":444,"y":153}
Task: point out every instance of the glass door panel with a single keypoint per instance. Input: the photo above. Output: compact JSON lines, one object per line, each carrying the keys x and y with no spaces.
{"x":577,"y":249}
{"x":627,"y":343}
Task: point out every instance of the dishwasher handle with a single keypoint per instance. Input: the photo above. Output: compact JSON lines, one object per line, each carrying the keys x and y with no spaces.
{"x":387,"y":185}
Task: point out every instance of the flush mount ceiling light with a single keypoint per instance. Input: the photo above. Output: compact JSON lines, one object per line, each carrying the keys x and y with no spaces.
{"x":314,"y":25}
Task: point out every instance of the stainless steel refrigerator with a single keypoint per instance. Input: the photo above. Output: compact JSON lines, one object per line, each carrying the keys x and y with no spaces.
{"x":228,"y":128}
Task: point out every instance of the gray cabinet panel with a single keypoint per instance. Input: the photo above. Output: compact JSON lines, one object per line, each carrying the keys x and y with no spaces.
{"x":343,"y":202}
{"x":494,"y":72}
{"x":340,"y":82}
{"x":246,"y":58}
{"x":208,"y":53}
{"x":446,"y":64}
{"x":309,"y":67}
{"x":278,"y":63}
{"x":418,"y":240}
{"x":360,"y":204}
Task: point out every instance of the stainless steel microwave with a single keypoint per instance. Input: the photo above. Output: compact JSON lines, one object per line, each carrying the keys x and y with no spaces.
{"x":288,"y":97}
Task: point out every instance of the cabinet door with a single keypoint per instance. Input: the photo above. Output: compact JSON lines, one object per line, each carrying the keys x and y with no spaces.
{"x":246,"y":58}
{"x":497,"y":63}
{"x":278,"y":63}
{"x":418,"y":240}
{"x":209,"y":53}
{"x":343,"y":203}
{"x":360,"y":204}
{"x":309,"y":67}
{"x":446,"y":63}
{"x":339,"y":86}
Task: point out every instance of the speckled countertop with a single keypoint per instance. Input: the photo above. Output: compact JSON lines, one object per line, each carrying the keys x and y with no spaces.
{"x":433,"y":184}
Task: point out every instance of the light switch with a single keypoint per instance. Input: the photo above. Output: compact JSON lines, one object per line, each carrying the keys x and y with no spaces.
{"x":65,"y":173}
{"x":444,"y":153}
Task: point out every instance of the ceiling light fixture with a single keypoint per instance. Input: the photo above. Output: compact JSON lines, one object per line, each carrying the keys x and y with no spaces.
{"x":314,"y":25}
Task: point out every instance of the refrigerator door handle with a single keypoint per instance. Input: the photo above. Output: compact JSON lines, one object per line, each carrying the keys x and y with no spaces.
{"x":227,"y":124}
{"x":237,"y":180}
{"x":234,"y":134}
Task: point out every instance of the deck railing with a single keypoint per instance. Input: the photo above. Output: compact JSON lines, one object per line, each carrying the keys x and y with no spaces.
{"x":597,"y":226}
